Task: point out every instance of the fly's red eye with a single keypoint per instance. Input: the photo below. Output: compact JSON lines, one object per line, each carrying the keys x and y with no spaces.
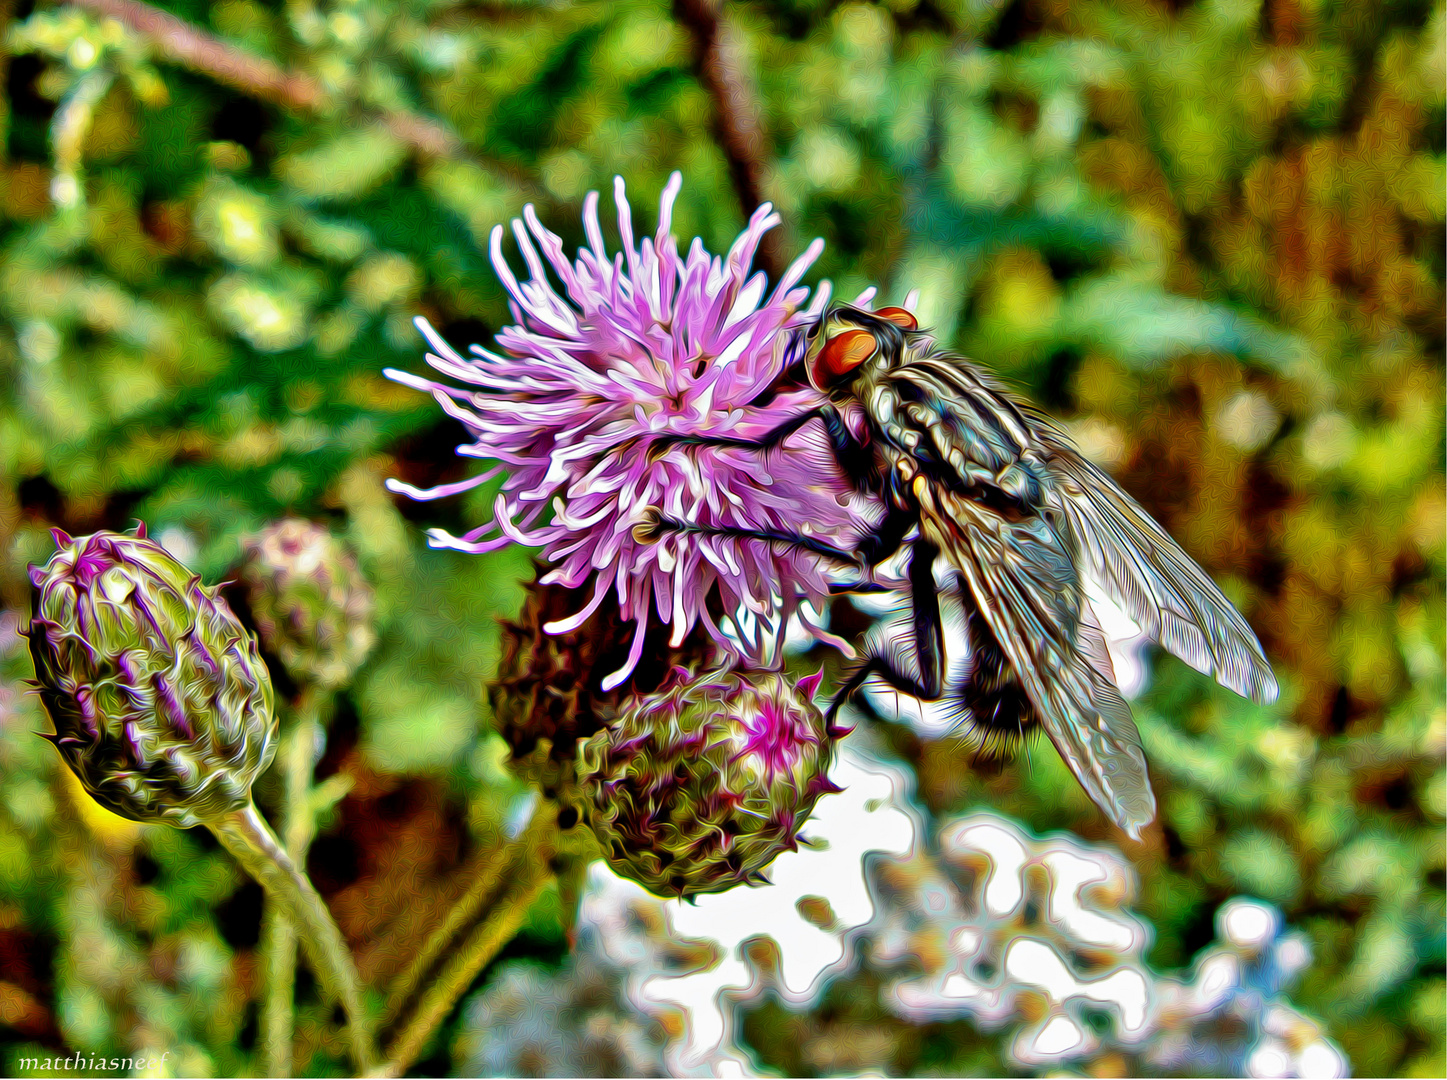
{"x":841,"y":354}
{"x":899,"y":316}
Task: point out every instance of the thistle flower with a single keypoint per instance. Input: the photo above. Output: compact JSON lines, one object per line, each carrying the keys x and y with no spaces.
{"x":161,"y":704}
{"x":310,"y":601}
{"x":647,"y":344}
{"x":699,"y":787}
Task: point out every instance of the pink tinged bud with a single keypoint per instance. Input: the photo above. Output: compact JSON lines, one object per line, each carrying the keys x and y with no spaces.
{"x":310,"y":601}
{"x":161,"y":704}
{"x":697,"y":788}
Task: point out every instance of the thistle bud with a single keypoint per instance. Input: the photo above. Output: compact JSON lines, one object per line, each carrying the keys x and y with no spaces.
{"x":161,"y":703}
{"x":310,"y":602}
{"x":548,"y":694}
{"x":698,"y":787}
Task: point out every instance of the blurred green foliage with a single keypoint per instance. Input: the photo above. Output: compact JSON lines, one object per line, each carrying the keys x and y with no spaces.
{"x":1209,"y":234}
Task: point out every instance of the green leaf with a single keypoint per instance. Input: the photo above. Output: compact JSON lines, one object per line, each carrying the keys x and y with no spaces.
{"x":346,"y":166}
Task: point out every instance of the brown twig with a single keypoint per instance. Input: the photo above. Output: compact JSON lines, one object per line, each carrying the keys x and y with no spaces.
{"x":184,"y":44}
{"x":738,"y":113}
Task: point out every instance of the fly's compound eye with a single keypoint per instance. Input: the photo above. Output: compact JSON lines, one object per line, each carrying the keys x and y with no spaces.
{"x":840,"y":355}
{"x":899,"y":316}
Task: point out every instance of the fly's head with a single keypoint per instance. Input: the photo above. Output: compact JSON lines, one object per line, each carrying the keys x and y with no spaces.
{"x":849,"y":344}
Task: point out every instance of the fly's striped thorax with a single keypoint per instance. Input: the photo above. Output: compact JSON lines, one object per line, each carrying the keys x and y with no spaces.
{"x":962,"y":430}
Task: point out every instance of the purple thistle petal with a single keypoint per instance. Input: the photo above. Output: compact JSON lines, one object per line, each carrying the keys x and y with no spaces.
{"x":442,"y":491}
{"x":639,"y":344}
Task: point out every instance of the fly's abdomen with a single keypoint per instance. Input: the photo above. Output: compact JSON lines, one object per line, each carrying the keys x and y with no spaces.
{"x":999,"y":712}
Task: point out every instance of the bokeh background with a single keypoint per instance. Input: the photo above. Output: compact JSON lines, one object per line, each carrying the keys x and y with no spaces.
{"x":1208,"y":234}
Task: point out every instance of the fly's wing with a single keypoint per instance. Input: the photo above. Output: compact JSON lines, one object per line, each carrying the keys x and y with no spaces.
{"x":1021,"y":577}
{"x":1157,"y":583}
{"x":975,"y":421}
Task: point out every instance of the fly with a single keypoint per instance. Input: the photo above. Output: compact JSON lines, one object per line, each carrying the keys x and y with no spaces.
{"x":970,"y":473}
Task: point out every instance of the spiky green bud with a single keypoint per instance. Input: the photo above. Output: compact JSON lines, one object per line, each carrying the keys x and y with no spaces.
{"x":700,"y":786}
{"x":161,"y":703}
{"x":310,"y":601}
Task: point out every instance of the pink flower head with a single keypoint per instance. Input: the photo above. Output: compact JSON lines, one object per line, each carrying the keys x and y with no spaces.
{"x":638,"y":346}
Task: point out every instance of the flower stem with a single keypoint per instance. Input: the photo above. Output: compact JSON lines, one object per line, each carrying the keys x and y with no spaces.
{"x":298,"y":822}
{"x":250,"y":840}
{"x":484,"y":882}
{"x":525,"y":867}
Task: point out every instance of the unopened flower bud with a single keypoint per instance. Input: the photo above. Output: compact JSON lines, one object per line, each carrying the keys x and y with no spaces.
{"x":310,"y":601}
{"x":697,"y":788}
{"x":161,"y":703}
{"x":548,"y":695}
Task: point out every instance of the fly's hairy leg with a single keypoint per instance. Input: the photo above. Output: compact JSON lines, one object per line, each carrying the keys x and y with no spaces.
{"x":655,"y":526}
{"x":898,"y":680}
{"x":844,"y":588}
{"x":929,"y":634}
{"x":854,"y":458}
{"x":929,"y":640}
{"x":873,"y":548}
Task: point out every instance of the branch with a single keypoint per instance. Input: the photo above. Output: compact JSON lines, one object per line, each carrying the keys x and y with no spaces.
{"x":184,"y":44}
{"x":738,"y":114}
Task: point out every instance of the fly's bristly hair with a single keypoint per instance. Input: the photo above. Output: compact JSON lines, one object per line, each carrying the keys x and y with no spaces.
{"x":996,"y":718}
{"x":982,"y":704}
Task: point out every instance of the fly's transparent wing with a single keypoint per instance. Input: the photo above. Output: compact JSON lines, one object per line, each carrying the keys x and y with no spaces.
{"x":1024,"y":584}
{"x":1157,"y":583}
{"x":977,"y":428}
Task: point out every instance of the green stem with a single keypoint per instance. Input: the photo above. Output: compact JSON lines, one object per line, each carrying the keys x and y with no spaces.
{"x":279,"y":933}
{"x":527,"y":873}
{"x":278,"y":939}
{"x":251,"y":841}
{"x":463,"y":913}
{"x":68,"y":129}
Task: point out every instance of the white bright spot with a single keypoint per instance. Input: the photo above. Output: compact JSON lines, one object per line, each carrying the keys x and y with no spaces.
{"x":959,"y":988}
{"x":1124,"y":640}
{"x":1269,"y":1060}
{"x":1008,"y":856}
{"x":1248,"y":925}
{"x":180,"y":543}
{"x":1217,"y":977}
{"x":1247,"y":421}
{"x":1059,"y":1036}
{"x":64,"y":190}
{"x":1321,"y":1059}
{"x":1072,"y":873}
{"x":964,"y":941}
{"x":1127,"y":990}
{"x":1036,"y":964}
